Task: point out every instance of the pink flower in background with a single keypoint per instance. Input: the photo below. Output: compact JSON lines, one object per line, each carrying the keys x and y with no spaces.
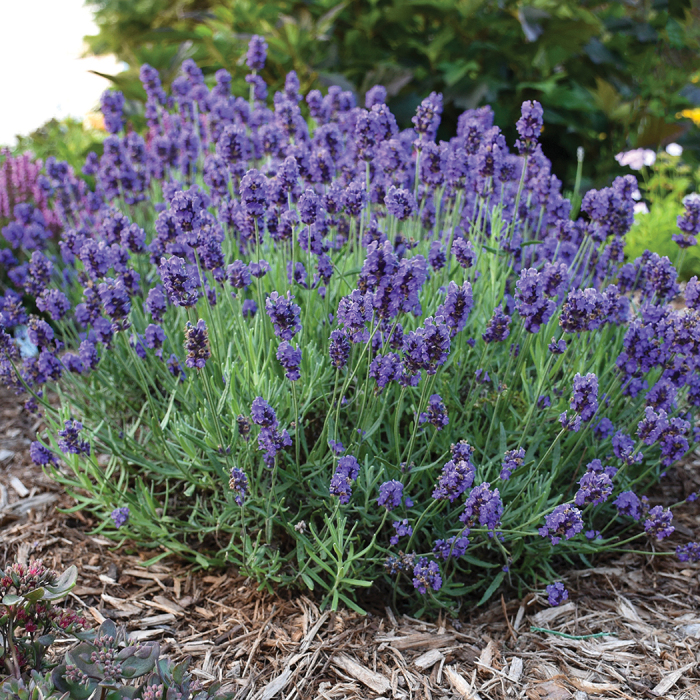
{"x":636,"y":159}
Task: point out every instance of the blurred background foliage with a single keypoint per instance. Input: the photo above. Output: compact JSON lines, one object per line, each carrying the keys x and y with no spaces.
{"x":610,"y":75}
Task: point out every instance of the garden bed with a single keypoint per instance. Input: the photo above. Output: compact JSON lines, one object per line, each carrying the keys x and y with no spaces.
{"x":644,"y":614}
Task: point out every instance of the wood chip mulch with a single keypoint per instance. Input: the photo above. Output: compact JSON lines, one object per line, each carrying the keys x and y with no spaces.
{"x":630,"y":629}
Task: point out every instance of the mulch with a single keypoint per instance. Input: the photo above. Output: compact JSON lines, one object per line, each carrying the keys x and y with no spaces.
{"x":630,"y":629}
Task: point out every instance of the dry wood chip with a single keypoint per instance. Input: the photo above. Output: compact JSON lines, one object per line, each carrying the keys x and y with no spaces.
{"x":153,"y":620}
{"x":550,"y":614}
{"x":430,"y":658}
{"x":142,"y":573}
{"x":5,"y":455}
{"x":99,"y":617}
{"x":590,"y":687}
{"x":418,"y":641}
{"x":515,"y":669}
{"x":486,"y":656}
{"x":460,"y":685}
{"x":549,"y":691}
{"x":141,"y":635}
{"x":162,"y":603}
{"x":121,"y":604}
{"x":375,"y":681}
{"x":23,"y":507}
{"x":669,"y":681}
{"x":86,"y":590}
{"x":18,"y":486}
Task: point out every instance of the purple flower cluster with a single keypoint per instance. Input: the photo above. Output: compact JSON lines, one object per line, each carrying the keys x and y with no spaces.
{"x":290,"y":359}
{"x":426,"y":575}
{"x":391,"y":495}
{"x":564,"y":522}
{"x":197,"y":345}
{"x":457,"y":475}
{"x":271,"y":441}
{"x":345,"y":474}
{"x":239,"y":484}
{"x":512,"y":459}
{"x":120,"y":516}
{"x":70,"y":441}
{"x":284,"y":314}
{"x":556,"y":593}
{"x":483,"y":507}
{"x":436,"y":413}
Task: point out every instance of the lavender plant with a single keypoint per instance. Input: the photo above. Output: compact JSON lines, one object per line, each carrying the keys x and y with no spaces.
{"x":339,"y":355}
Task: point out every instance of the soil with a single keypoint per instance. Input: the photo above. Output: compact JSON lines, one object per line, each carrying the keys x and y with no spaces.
{"x":629,"y":630}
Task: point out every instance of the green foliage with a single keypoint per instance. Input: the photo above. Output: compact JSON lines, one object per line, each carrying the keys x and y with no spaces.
{"x":663,"y":187}
{"x":609,"y":75}
{"x":115,"y":668}
{"x":105,"y":664}
{"x":28,"y":617}
{"x":66,"y":139}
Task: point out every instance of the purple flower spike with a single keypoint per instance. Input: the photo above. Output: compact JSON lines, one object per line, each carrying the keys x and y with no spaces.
{"x":457,"y":474}
{"x":436,"y":414}
{"x":341,"y":483}
{"x":426,"y":575}
{"x":402,"y":528}
{"x":564,"y":522}
{"x":658,"y":523}
{"x":40,"y":454}
{"x":70,"y":442}
{"x":390,"y":494}
{"x":239,"y":484}
{"x":257,"y":53}
{"x":290,"y":359}
{"x":512,"y":459}
{"x":284,"y":314}
{"x":120,"y":516}
{"x":557,"y":593}
{"x":197,"y":345}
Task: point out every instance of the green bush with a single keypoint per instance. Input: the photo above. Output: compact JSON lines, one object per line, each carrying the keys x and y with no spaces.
{"x":663,"y":187}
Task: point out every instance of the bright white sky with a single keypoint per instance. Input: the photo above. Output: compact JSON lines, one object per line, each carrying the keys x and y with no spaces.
{"x":41,"y":72}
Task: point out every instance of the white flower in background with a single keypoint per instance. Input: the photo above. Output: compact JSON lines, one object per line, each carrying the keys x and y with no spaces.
{"x":636,"y":195}
{"x":636,"y":159}
{"x":674,"y":149}
{"x":641,"y":208}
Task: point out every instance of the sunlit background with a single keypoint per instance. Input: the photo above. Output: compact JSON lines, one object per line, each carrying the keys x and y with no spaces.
{"x":42,"y":74}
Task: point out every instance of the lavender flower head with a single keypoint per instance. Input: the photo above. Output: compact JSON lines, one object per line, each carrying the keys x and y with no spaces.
{"x":290,"y":359}
{"x":41,"y":455}
{"x":426,"y":575}
{"x":120,"y":516}
{"x":390,"y":494}
{"x":658,"y":523}
{"x":628,"y":503}
{"x":498,"y":327}
{"x":70,"y":442}
{"x":483,"y":506}
{"x":512,"y":459}
{"x":238,"y":483}
{"x":689,"y":222}
{"x":529,"y":126}
{"x":457,"y":307}
{"x":595,"y":486}
{"x":585,"y":397}
{"x":197,"y":344}
{"x":284,"y":314}
{"x":436,"y":413}
{"x":341,"y":484}
{"x":556,"y":593}
{"x":451,"y":548}
{"x":257,"y":53}
{"x":400,"y":203}
{"x":564,"y":522}
{"x":401,"y":529}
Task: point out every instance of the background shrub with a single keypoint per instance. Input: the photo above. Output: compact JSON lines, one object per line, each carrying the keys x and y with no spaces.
{"x":610,"y":76}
